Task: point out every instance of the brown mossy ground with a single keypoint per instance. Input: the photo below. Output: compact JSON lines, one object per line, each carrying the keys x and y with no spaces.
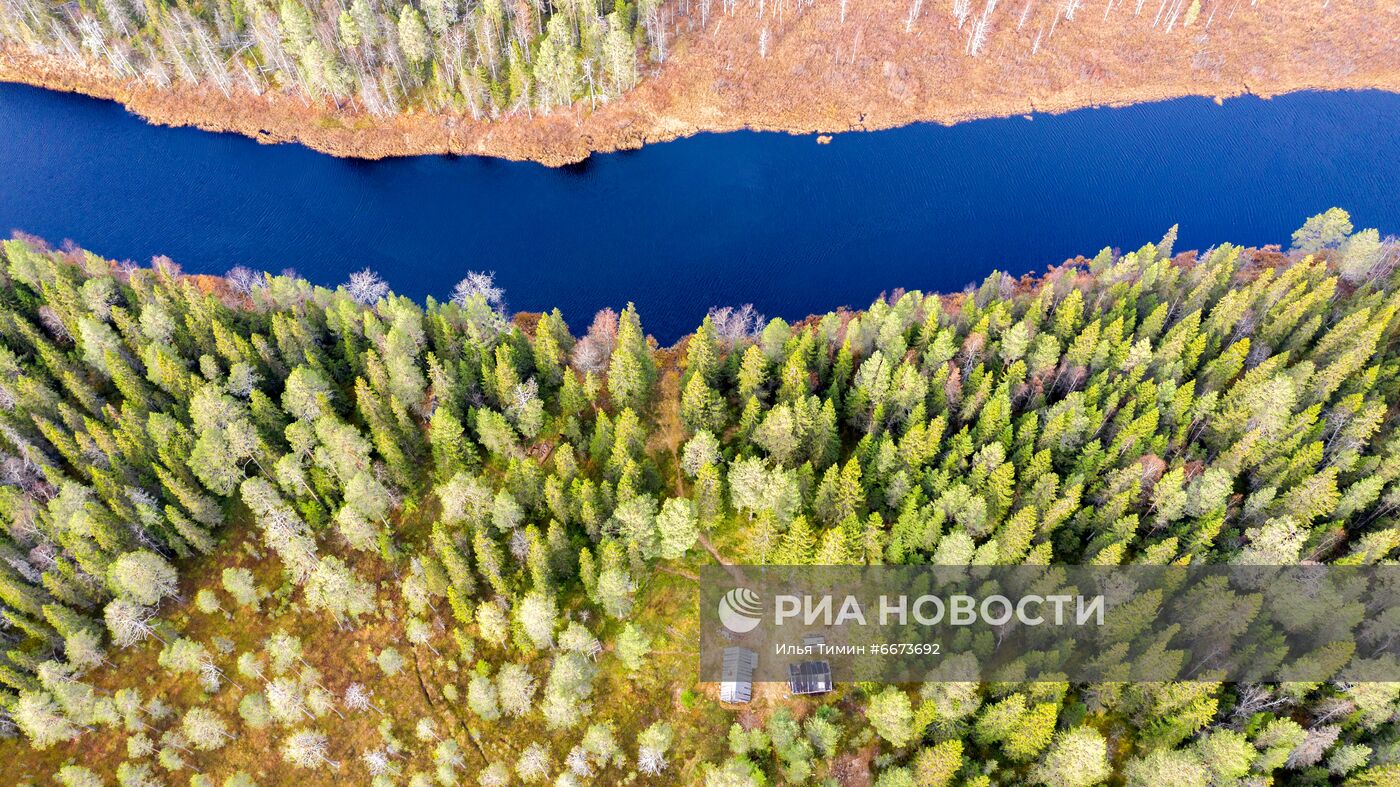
{"x":666,"y":689}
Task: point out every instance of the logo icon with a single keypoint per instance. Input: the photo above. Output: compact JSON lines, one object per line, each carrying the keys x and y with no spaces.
{"x":740,"y":610}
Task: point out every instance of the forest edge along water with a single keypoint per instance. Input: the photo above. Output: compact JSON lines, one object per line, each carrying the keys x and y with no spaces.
{"x":776,"y":220}
{"x":804,"y":67}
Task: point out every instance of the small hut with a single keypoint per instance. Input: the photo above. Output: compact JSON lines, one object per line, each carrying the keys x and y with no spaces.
{"x":736,"y":681}
{"x":810,"y":677}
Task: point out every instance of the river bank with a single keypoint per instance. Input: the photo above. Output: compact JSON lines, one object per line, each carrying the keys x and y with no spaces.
{"x":817,"y":72}
{"x":717,"y":219}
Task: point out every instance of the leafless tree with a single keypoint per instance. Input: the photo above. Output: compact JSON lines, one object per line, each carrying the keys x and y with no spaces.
{"x":978,"y":37}
{"x":734,"y":325}
{"x":366,"y":287}
{"x":478,"y":284}
{"x":245,"y":280}
{"x":1314,"y":747}
{"x":594,"y":350}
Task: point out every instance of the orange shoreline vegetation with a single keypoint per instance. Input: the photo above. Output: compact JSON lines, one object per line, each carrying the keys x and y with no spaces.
{"x":823,"y":75}
{"x":1257,"y":258}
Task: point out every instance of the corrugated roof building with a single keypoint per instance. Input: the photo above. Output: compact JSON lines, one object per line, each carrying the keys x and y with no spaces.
{"x":736,"y":683}
{"x":810,"y":677}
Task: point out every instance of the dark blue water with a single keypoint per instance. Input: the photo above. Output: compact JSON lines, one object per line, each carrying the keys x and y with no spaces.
{"x":780,"y":221}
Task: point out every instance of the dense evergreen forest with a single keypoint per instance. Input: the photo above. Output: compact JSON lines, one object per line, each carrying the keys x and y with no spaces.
{"x":484,"y":58}
{"x":261,"y":532}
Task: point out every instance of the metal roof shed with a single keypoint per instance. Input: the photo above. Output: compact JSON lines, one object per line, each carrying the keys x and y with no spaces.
{"x":809,"y":677}
{"x":736,"y":684}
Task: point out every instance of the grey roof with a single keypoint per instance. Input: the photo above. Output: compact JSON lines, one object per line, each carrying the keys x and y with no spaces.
{"x":736,"y":683}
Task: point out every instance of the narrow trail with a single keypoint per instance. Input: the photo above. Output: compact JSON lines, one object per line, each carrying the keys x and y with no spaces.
{"x":710,"y":547}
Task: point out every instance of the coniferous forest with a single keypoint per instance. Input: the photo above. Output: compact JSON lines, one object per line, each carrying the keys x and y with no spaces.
{"x":383,"y":56}
{"x":257,"y":531}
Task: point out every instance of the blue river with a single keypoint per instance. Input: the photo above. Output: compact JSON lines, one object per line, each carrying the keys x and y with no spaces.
{"x":718,"y":219}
